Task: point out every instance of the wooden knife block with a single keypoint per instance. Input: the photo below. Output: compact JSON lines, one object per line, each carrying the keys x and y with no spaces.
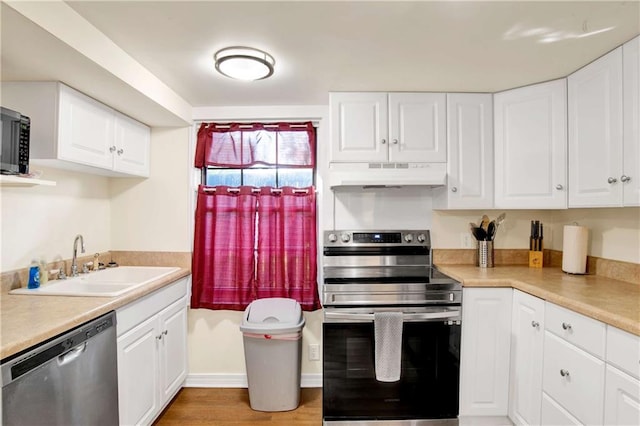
{"x":536,"y":259}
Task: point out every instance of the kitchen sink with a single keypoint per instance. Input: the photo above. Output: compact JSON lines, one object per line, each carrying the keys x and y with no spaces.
{"x":106,"y":283}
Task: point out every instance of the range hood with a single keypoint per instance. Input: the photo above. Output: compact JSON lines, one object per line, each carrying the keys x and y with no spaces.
{"x":381,"y":175}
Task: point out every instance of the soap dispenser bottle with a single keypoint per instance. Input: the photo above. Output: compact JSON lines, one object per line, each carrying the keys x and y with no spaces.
{"x":34,"y":275}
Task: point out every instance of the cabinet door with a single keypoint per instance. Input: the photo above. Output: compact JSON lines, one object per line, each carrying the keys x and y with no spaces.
{"x":417,"y":127}
{"x":137,"y":374}
{"x":527,"y":338}
{"x":484,"y":363}
{"x":622,"y":399}
{"x":595,"y":133}
{"x":470,"y":152}
{"x":132,"y":146}
{"x":86,"y":130}
{"x":554,"y":414}
{"x":531,"y":146}
{"x":631,"y":130}
{"x":173,"y":352}
{"x":359,"y":127}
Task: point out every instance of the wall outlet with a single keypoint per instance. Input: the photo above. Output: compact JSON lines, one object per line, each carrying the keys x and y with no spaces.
{"x":314,"y":352}
{"x":466,"y":240}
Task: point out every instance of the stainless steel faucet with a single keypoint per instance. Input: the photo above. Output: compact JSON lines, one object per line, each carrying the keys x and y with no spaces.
{"x":74,"y":262}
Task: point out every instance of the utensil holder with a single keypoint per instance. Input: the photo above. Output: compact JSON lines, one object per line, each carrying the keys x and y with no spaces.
{"x":536,"y":259}
{"x":485,"y":254}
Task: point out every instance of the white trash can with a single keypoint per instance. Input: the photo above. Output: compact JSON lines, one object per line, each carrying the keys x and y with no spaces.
{"x":272,"y":336}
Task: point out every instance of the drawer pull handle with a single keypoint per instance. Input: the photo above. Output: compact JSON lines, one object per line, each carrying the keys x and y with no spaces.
{"x":566,"y":326}
{"x":564,"y":373}
{"x":535,"y":324}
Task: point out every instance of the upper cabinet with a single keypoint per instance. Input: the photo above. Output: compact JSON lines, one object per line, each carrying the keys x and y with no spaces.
{"x":604,"y":140}
{"x":470,"y":151}
{"x":394,"y":127}
{"x":595,"y":133}
{"x":630,"y":178}
{"x":531,"y":147}
{"x":73,"y":131}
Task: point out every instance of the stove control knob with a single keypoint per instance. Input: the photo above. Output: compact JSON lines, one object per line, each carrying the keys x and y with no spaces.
{"x":345,"y":238}
{"x":408,"y":238}
{"x":421,"y":238}
{"x":333,"y":238}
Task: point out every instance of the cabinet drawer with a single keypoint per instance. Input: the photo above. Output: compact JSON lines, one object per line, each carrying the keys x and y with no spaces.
{"x":554,"y":414}
{"x":574,"y":378}
{"x":622,"y":399}
{"x":623,"y":351}
{"x":584,"y":332}
{"x":134,"y":313}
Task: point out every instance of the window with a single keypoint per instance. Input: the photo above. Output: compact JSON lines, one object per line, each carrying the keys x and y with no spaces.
{"x":253,"y":240}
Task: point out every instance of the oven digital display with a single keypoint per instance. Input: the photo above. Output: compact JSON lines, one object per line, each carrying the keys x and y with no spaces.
{"x":377,"y":237}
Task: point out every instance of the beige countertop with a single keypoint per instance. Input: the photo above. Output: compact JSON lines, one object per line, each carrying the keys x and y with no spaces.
{"x":28,"y":320}
{"x":611,"y":301}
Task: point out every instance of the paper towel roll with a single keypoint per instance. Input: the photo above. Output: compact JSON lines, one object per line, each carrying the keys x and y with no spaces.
{"x":574,"y":249}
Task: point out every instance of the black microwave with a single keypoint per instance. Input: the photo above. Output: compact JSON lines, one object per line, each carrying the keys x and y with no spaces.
{"x":14,"y":156}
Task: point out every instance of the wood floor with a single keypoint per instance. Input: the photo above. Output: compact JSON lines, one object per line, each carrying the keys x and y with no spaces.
{"x":230,"y":406}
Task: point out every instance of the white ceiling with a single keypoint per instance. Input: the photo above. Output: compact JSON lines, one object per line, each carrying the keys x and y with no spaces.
{"x":326,"y":46}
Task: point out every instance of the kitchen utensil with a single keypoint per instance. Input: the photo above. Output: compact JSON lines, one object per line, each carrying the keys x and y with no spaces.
{"x":500,"y":219}
{"x":491,"y":230}
{"x":485,"y":222}
{"x":479,"y":233}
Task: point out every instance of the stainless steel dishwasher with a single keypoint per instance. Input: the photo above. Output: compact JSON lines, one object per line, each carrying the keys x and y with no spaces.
{"x":71,"y":379}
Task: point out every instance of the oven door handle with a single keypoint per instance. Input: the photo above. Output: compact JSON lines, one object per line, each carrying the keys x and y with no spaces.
{"x":421,"y":316}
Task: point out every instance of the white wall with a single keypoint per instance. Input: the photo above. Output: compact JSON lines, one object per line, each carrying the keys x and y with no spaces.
{"x":42,"y":221}
{"x":154,"y":214}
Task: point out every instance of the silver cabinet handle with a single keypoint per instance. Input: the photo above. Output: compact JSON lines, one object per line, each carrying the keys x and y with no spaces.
{"x":559,"y":187}
{"x":612,"y":180}
{"x":454,"y":189}
{"x":564,"y":373}
{"x":120,"y":151}
{"x":159,"y":337}
{"x":112,"y":149}
{"x":384,"y":141}
{"x":566,"y":326}
{"x":165,"y":332}
{"x":625,"y":178}
{"x":535,"y":324}
{"x":395,"y":141}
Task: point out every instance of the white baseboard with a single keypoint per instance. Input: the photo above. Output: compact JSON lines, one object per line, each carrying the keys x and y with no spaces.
{"x":240,"y":381}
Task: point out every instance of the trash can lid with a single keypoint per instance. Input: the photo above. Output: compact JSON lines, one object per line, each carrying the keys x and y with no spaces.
{"x":272,"y":314}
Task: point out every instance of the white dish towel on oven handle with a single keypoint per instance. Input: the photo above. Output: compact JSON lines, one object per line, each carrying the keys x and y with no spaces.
{"x":388,"y":345}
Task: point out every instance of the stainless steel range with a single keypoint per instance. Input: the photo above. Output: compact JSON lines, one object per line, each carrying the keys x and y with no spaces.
{"x":366,"y":272}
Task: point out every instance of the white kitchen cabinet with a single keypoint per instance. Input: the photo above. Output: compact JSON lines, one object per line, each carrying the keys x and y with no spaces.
{"x":72,"y":131}
{"x":573,"y":365}
{"x":531,"y":147}
{"x":527,"y":338}
{"x":630,"y":178}
{"x":622,"y":398}
{"x":595,"y":133}
{"x":393,"y":127}
{"x":152,"y":353}
{"x":470,"y":153}
{"x":485,"y":346}
{"x":132,"y":144}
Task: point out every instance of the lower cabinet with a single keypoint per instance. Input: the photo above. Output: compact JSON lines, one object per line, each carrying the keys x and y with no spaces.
{"x":152,"y":353}
{"x":527,"y":338}
{"x":544,"y":364}
{"x":484,"y":363}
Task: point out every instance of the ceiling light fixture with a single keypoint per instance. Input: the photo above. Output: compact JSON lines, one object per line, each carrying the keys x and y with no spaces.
{"x":244,"y":63}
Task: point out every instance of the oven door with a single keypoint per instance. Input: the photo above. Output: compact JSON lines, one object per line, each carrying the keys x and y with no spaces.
{"x":428,"y":385}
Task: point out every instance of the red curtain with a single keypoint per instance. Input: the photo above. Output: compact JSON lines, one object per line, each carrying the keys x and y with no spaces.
{"x":287,"y":249}
{"x":244,"y":145}
{"x":225,"y":272}
{"x":223,"y":255}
